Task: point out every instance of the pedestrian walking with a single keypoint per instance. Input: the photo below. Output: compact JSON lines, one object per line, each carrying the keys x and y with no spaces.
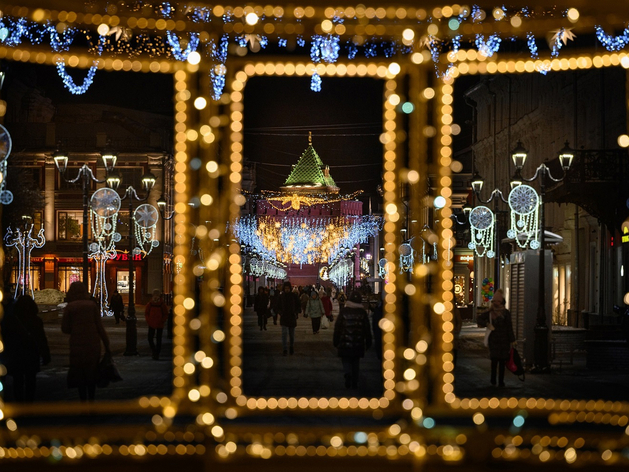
{"x":376,"y":316}
{"x":288,"y":306}
{"x":327,"y":304}
{"x":156,"y":314}
{"x":275,"y":296}
{"x":81,"y":320}
{"x":25,"y":346}
{"x":341,"y":298}
{"x":315,"y":310}
{"x":261,"y":307}
{"x":117,"y":306}
{"x":501,"y":337}
{"x":352,"y":335}
{"x":303,"y":299}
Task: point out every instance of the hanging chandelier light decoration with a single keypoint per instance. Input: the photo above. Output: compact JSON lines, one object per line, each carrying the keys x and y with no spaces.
{"x":407,"y":257}
{"x":482,"y":226}
{"x":303,"y":239}
{"x":145,"y":219}
{"x":24,"y":243}
{"x":104,"y":208}
{"x":383,"y":268}
{"x":524,"y":203}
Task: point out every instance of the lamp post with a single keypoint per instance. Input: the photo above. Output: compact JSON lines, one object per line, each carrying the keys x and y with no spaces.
{"x":86,"y":176}
{"x":162,"y":205}
{"x":541,"y":343}
{"x":130,"y":194}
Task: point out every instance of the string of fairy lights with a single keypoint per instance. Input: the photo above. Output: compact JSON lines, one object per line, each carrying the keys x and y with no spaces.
{"x":442,"y":31}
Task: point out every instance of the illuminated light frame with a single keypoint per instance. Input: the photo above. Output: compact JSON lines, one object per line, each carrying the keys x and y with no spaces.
{"x":389,"y":140}
{"x":558,"y":411}
{"x":163,"y":408}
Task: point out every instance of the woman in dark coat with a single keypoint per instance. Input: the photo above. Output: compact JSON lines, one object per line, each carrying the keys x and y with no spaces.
{"x":501,"y":338}
{"x":25,"y":345}
{"x":288,"y":306}
{"x":352,"y":335}
{"x":81,"y":320}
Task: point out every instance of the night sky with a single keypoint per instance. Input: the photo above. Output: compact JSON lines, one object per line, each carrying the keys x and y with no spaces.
{"x":345,"y":119}
{"x":135,"y":90}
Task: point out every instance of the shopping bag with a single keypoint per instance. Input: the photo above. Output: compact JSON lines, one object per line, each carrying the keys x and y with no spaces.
{"x":325,"y":322}
{"x":107,"y":371}
{"x":514,"y":364}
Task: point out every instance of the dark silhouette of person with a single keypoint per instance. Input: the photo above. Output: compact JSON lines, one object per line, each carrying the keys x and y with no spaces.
{"x":81,"y":320}
{"x":117,"y":306}
{"x":352,"y":335}
{"x":288,"y":308}
{"x":156,"y":314}
{"x":25,"y":346}
{"x":260,"y":306}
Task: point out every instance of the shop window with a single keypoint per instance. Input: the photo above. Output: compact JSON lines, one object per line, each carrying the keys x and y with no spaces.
{"x":69,"y":226}
{"x":69,"y":274}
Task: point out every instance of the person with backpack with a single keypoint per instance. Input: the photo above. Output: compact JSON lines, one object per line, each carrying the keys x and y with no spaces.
{"x":156,"y":314}
{"x":352,"y":335}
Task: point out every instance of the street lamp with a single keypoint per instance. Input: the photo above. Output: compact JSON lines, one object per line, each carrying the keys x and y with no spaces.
{"x":162,"y":205}
{"x":131,"y":195}
{"x":519,"y":155}
{"x":86,"y":176}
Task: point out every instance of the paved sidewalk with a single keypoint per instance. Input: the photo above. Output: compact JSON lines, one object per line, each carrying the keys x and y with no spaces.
{"x":314,"y":370}
{"x":472,"y":374}
{"x":142,"y":376}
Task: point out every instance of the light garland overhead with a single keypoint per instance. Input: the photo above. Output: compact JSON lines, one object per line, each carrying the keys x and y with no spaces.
{"x":328,"y":47}
{"x":304,"y":240}
{"x":524,"y":203}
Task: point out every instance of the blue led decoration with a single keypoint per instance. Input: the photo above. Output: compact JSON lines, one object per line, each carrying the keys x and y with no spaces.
{"x":217,"y":73}
{"x":301,"y":42}
{"x":456,"y":43}
{"x":389,"y":49}
{"x":242,"y":41}
{"x":315,"y":82}
{"x":166,"y":10}
{"x":175,"y":45}
{"x":16,"y":29}
{"x":352,"y":50}
{"x":68,"y":82}
{"x":530,"y":41}
{"x":489,"y":47}
{"x":199,"y":14}
{"x":61,"y":42}
{"x":477,"y":13}
{"x":263,"y":41}
{"x":612,"y":43}
{"x":324,"y":48}
{"x":282,"y":42}
{"x":371,"y":50}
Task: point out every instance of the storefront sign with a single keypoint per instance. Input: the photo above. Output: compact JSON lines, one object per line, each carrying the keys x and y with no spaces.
{"x":125,"y":257}
{"x":464,"y":258}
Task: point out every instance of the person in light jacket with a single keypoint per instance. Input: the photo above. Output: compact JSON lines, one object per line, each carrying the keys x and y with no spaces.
{"x":352,"y":335}
{"x":315,"y":310}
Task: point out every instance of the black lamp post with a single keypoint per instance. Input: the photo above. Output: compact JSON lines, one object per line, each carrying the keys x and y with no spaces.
{"x":130,"y":194}
{"x":86,"y":176}
{"x":162,"y":205}
{"x":519,"y":155}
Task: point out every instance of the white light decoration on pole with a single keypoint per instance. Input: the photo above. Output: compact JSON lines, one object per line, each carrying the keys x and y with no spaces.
{"x":382,"y":269}
{"x":6,"y":197}
{"x":482,"y":227}
{"x":105,"y":205}
{"x":524,"y":203}
{"x":24,"y":243}
{"x":341,"y":272}
{"x":145,"y":218}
